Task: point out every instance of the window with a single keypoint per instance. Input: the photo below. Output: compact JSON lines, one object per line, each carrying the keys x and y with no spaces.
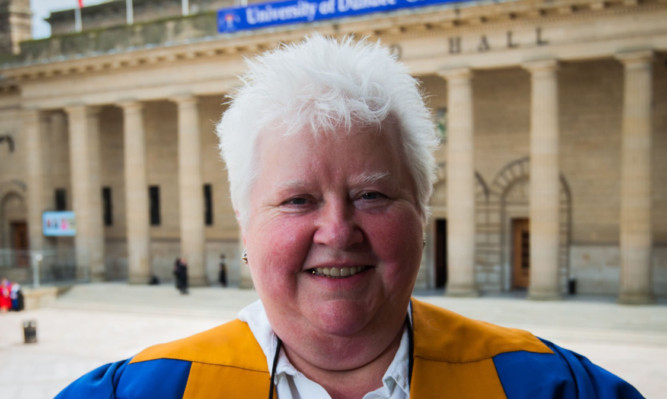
{"x":154,"y":203}
{"x":441,"y":124}
{"x":107,"y":206}
{"x":60,"y":199}
{"x":208,"y":204}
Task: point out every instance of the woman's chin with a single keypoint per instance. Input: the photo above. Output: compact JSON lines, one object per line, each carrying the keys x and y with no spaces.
{"x":341,"y":318}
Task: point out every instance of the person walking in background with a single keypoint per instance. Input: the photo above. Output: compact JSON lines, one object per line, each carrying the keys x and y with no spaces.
{"x":222,"y":274}
{"x":181,"y":275}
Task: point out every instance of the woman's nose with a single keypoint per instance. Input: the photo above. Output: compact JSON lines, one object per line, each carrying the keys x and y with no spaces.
{"x":337,"y":227}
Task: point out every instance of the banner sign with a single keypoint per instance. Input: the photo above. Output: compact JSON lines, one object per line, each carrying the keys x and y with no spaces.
{"x":301,"y":11}
{"x":59,"y":224}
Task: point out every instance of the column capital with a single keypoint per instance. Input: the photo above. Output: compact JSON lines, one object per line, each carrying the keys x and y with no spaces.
{"x":184,"y":99}
{"x":635,"y":58}
{"x":130,"y":103}
{"x":456,"y":74}
{"x":546,"y":65}
{"x":81,"y":108}
{"x":33,"y":114}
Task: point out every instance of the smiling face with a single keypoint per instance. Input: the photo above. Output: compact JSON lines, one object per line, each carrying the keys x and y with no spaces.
{"x":334,"y":240}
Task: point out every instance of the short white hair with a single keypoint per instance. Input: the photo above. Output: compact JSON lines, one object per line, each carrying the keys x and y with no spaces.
{"x":322,"y":84}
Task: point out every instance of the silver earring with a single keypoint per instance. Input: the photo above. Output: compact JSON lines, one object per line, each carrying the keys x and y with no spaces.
{"x":244,"y":257}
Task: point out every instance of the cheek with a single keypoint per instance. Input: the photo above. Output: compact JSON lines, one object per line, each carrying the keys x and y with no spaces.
{"x":277,"y":249}
{"x":397,"y":241}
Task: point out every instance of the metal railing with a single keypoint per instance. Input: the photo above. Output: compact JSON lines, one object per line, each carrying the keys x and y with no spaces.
{"x":50,"y":266}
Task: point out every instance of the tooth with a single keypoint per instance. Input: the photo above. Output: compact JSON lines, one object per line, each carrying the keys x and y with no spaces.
{"x":334,"y":272}
{"x":346,"y":271}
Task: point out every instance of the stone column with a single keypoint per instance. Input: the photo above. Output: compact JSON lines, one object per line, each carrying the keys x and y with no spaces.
{"x":191,"y":196}
{"x":636,"y":235}
{"x":136,"y":194}
{"x":544,"y":180}
{"x":35,"y":123}
{"x":86,"y":195}
{"x":460,"y":184}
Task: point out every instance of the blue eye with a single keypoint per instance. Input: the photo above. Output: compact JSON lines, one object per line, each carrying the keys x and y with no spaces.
{"x":296,"y":201}
{"x":372,"y":195}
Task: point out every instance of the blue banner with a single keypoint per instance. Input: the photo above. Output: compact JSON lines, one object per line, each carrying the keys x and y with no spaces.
{"x":59,"y":224}
{"x":301,"y":11}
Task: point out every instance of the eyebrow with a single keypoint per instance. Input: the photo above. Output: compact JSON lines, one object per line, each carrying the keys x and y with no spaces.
{"x":372,"y":178}
{"x":363,"y":179}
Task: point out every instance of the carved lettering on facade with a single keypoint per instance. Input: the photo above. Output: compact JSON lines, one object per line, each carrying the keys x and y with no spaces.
{"x":540,"y":41}
{"x":455,"y":45}
{"x":485,"y":44}
{"x":510,"y":43}
{"x":396,"y":50}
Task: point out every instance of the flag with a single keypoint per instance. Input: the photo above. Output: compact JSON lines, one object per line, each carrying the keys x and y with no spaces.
{"x":80,"y":3}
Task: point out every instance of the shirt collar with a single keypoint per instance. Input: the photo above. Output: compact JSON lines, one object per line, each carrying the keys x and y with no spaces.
{"x":396,"y":376}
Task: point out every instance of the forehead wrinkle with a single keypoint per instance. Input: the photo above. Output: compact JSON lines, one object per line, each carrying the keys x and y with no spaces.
{"x":372,"y":178}
{"x":291,"y":184}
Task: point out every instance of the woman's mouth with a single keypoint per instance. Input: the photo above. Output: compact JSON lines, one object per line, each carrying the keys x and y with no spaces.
{"x":338,"y":272}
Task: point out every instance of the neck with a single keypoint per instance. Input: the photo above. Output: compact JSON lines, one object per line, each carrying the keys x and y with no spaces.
{"x":352,"y":382}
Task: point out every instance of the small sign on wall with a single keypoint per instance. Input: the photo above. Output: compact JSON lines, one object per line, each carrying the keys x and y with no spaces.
{"x":59,"y":224}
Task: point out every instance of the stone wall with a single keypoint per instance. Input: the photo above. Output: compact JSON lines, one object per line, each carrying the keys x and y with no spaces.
{"x":120,"y":38}
{"x":15,"y":24}
{"x":113,"y":13}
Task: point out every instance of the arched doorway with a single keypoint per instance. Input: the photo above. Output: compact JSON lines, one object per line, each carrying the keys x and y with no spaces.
{"x":512,"y":186}
{"x":14,"y":227}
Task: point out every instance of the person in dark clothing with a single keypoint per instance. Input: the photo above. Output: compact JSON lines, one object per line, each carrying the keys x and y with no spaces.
{"x":222,"y":274}
{"x":181,"y":275}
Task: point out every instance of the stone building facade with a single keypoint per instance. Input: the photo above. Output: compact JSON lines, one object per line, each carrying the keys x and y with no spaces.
{"x":552,"y":170}
{"x":14,"y":24}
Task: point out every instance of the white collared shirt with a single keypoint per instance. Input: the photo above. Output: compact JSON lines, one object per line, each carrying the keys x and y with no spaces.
{"x":291,"y":383}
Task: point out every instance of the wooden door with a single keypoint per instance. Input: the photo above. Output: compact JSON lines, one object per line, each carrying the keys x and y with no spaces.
{"x":520,"y":253}
{"x":19,"y":232}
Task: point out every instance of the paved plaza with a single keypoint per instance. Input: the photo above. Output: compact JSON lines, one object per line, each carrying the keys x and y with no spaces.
{"x":97,"y":323}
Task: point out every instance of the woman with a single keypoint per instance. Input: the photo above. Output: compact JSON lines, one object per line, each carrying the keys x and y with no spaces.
{"x":328,"y":148}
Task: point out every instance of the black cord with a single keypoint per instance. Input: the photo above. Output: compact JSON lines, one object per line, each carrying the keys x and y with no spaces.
{"x":273,"y":369}
{"x":411,"y":346}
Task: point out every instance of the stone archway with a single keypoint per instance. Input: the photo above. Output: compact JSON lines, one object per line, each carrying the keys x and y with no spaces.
{"x":13,"y":208}
{"x":432,"y":269}
{"x":510,"y":199}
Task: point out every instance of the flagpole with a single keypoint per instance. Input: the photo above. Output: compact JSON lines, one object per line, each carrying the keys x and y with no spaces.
{"x":129,"y":12}
{"x":185,"y":7}
{"x":77,"y":19}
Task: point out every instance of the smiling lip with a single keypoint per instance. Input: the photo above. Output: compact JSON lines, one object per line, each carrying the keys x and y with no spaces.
{"x":338,"y":272}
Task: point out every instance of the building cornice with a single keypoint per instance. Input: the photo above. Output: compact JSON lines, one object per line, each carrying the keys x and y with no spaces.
{"x":437,"y":19}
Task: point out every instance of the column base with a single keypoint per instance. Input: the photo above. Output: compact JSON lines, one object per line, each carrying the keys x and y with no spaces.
{"x":138,"y":280}
{"x":246,"y":283}
{"x":98,"y":278}
{"x":461,"y":292}
{"x":636,"y":299}
{"x":200,"y":281}
{"x":544,"y":296}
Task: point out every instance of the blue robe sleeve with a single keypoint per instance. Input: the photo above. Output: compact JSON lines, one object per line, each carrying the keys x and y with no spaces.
{"x":561,"y":375}
{"x":159,"y":378}
{"x":99,"y":383}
